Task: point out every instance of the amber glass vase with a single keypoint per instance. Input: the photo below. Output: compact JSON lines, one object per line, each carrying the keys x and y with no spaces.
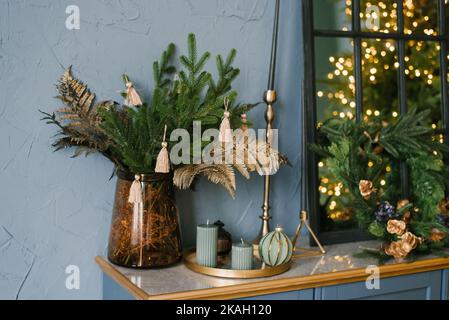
{"x":145,"y":235}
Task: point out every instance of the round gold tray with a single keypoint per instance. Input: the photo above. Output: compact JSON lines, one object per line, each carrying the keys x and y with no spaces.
{"x":223,"y":269}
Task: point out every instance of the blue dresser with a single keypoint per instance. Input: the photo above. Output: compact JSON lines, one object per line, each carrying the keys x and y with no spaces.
{"x":432,"y":285}
{"x":338,"y":275}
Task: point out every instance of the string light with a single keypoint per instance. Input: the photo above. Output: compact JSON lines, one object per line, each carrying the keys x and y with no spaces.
{"x":376,"y":63}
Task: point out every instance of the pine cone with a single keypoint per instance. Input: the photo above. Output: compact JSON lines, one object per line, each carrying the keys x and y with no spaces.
{"x":397,"y":250}
{"x":437,"y":235}
{"x":444,"y":207}
{"x":396,"y":227}
{"x":411,"y":240}
{"x":366,"y":188}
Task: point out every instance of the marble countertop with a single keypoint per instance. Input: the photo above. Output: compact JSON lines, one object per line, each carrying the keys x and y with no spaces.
{"x":337,"y":266}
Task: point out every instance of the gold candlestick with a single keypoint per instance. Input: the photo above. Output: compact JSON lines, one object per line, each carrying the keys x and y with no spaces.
{"x":270,"y":99}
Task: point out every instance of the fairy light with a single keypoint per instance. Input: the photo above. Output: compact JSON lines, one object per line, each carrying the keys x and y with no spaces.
{"x":376,"y":63}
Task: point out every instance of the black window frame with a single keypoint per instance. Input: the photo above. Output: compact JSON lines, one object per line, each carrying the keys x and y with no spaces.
{"x":310,"y":33}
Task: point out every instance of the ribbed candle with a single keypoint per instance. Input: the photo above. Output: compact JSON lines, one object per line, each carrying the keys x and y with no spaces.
{"x":206,"y":245}
{"x":242,"y":256}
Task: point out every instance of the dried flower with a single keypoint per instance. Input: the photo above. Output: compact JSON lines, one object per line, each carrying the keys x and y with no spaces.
{"x":407,"y":214}
{"x":366,"y":188}
{"x":385,"y":211}
{"x":410,"y":239}
{"x":402,"y":203}
{"x":397,"y":249}
{"x":437,"y":235}
{"x":443,"y":220}
{"x":444,"y":207}
{"x":396,"y":227}
{"x":401,"y":248}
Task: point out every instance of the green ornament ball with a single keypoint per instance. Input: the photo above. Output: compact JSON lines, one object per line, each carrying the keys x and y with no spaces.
{"x":275,"y":248}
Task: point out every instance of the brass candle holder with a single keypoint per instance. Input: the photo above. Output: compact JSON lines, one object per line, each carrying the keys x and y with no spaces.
{"x":304,"y":221}
{"x":270,"y":99}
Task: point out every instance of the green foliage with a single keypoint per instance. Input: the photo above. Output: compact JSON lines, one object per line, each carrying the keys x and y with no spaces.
{"x":131,"y":136}
{"x":377,"y":229}
{"x":357,"y":151}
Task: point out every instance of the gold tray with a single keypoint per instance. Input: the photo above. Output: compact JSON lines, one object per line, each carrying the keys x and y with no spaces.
{"x":223,"y":269}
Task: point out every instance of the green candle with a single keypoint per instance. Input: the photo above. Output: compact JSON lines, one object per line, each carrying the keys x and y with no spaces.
{"x":242,"y":256}
{"x":206,"y":244}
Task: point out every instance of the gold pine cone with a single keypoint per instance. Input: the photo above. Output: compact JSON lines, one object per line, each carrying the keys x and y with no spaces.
{"x":437,"y":235}
{"x":396,"y":227}
{"x":397,"y":249}
{"x":378,"y":150}
{"x":402,"y":203}
{"x":366,"y":188}
{"x":411,"y":240}
{"x":401,"y":248}
{"x":407,"y":214}
{"x":444,"y":207}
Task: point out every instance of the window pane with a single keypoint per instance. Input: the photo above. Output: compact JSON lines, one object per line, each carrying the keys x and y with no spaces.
{"x":380,"y":80}
{"x":380,"y":70}
{"x":423,"y":78}
{"x":334,"y":78}
{"x":446,"y":10}
{"x":332,"y":14}
{"x":335,"y":98}
{"x":421,"y":17}
{"x":378,"y":16}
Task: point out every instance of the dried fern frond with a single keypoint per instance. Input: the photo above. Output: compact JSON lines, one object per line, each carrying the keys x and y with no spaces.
{"x":79,"y":119}
{"x":75,"y":95}
{"x":249,"y":154}
{"x":217,"y":173}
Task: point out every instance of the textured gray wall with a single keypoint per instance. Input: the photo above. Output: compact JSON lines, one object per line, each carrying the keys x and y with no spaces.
{"x":55,"y":211}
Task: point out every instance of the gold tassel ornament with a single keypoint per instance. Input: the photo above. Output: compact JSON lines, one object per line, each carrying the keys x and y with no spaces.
{"x":135,"y":192}
{"x":132,"y":97}
{"x":225,"y":134}
{"x":163,"y":160}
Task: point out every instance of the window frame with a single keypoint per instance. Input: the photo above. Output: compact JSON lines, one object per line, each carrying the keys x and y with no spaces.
{"x":310,"y":33}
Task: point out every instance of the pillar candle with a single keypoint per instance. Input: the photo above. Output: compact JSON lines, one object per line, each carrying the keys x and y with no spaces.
{"x":206,"y":244}
{"x":242,"y":256}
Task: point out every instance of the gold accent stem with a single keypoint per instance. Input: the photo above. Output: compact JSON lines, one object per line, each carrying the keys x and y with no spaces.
{"x":304,"y":217}
{"x":270,"y":99}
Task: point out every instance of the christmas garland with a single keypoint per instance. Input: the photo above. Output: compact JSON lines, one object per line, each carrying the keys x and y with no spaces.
{"x":363,"y":154}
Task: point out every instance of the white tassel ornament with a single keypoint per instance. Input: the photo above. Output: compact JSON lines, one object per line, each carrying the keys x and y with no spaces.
{"x":132,"y":97}
{"x":135,"y":192}
{"x":163,"y":159}
{"x":225,"y":134}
